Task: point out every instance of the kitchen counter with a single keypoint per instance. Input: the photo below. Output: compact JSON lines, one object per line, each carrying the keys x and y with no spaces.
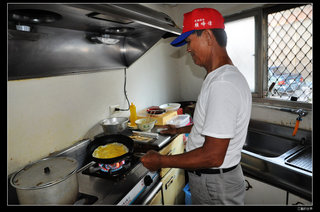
{"x":276,"y":172}
{"x":273,"y":170}
{"x":277,"y":167}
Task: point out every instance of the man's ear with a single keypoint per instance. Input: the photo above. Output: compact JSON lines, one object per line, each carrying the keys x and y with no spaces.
{"x":209,"y":37}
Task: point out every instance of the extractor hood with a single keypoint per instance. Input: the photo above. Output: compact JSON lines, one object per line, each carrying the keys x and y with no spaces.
{"x":57,"y":39}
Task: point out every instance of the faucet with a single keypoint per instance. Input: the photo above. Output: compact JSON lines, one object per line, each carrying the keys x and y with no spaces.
{"x":300,"y":113}
{"x":295,"y":111}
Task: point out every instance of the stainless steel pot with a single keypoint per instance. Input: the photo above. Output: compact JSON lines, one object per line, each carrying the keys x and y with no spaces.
{"x":114,"y":125}
{"x":48,"y":181}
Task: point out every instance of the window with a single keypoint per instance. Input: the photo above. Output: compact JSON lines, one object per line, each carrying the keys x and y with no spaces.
{"x":290,"y":54}
{"x":241,"y":48}
{"x":272,"y":47}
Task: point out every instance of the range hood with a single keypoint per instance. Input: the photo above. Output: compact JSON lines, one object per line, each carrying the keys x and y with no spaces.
{"x":57,"y":39}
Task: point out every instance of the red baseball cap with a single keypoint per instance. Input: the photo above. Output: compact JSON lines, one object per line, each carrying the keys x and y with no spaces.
{"x":201,"y":18}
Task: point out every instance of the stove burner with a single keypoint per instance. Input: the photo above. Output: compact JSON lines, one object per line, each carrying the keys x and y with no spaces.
{"x":116,"y":171}
{"x":112,"y":167}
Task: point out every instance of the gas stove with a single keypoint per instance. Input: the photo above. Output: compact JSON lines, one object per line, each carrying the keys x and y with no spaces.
{"x":124,"y":183}
{"x":133,"y":186}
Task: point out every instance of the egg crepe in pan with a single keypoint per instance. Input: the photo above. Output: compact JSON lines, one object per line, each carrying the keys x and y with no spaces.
{"x":111,"y":150}
{"x":117,"y":140}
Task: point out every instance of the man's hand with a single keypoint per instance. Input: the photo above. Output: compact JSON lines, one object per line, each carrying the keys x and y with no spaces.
{"x":151,"y":160}
{"x":171,"y":130}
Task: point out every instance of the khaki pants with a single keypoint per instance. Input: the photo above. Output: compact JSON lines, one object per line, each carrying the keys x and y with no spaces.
{"x":218,"y":189}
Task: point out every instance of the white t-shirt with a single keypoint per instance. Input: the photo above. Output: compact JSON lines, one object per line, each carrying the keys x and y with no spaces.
{"x":223,"y":110}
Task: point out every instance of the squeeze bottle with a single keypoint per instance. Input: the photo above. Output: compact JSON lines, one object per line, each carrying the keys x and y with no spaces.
{"x":133,"y":115}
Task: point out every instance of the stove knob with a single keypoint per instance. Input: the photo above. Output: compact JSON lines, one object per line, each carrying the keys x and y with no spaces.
{"x":147,"y":180}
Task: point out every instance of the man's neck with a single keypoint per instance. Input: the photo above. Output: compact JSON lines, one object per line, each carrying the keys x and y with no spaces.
{"x":220,"y":61}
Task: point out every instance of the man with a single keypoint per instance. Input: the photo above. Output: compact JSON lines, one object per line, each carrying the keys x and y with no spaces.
{"x":221,"y":116}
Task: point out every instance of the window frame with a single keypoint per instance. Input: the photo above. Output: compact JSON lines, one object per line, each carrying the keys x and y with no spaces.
{"x":261,"y":44}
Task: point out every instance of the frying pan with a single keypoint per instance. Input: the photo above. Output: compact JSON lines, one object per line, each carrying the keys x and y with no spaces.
{"x":100,"y":141}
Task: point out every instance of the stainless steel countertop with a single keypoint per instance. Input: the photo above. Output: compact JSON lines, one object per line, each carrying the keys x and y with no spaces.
{"x":276,"y":170}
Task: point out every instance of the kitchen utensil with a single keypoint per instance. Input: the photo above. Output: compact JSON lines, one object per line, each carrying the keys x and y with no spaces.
{"x":170,"y":106}
{"x":114,"y":125}
{"x":139,"y":154}
{"x":155,"y":110}
{"x":146,"y":124}
{"x":148,"y":134}
{"x":48,"y":181}
{"x":103,"y":140}
{"x":140,"y":138}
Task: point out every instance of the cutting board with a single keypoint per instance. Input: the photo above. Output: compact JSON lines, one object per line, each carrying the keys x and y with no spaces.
{"x":161,"y":118}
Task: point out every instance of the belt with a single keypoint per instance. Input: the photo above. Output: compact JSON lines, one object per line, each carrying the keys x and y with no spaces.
{"x":211,"y":171}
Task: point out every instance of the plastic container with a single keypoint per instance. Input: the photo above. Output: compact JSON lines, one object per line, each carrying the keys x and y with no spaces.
{"x":186,"y":190}
{"x":133,"y":115}
{"x":179,"y":120}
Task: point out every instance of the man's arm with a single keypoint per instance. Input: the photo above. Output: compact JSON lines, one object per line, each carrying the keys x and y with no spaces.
{"x":211,"y":154}
{"x":172,"y":130}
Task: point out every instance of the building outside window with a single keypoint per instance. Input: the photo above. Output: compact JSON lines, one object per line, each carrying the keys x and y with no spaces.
{"x":290,"y":54}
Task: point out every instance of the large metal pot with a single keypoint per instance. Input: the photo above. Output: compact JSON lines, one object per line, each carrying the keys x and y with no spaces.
{"x":114,"y":125}
{"x":48,"y":181}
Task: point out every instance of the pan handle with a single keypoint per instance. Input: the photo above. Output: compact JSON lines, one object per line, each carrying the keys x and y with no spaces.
{"x":86,"y":166}
{"x":138,"y":154}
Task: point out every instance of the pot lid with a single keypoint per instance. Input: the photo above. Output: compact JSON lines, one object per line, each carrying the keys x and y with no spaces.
{"x":44,"y":173}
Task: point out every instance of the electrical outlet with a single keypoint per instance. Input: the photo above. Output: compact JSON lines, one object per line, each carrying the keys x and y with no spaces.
{"x":112,"y":109}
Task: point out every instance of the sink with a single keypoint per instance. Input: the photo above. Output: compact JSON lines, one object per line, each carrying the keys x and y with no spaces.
{"x":267,"y":145}
{"x":302,"y":159}
{"x":272,"y":155}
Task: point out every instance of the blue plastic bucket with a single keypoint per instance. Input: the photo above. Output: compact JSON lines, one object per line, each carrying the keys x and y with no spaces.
{"x":186,"y":190}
